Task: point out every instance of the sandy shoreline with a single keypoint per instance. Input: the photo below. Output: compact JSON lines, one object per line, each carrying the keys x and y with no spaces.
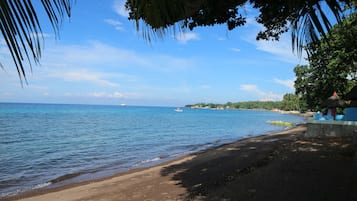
{"x":277,"y":166}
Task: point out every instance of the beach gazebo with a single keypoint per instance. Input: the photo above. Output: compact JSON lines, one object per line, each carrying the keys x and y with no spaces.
{"x":332,"y":103}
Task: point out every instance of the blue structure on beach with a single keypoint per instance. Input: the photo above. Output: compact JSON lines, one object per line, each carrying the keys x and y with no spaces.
{"x":350,"y":114}
{"x":345,"y":127}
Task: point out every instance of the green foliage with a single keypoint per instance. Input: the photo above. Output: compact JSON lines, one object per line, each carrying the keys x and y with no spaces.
{"x":308,"y":19}
{"x":291,"y":102}
{"x":332,"y":65}
{"x":161,"y":14}
{"x":265,"y":105}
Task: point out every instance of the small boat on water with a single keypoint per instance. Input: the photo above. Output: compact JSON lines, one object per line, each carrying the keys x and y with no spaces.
{"x":178,"y":110}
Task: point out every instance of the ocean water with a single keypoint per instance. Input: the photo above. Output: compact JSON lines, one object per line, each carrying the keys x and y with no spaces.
{"x":47,"y":145}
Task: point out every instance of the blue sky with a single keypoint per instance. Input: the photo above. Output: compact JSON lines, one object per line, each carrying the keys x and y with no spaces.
{"x":100,"y":58}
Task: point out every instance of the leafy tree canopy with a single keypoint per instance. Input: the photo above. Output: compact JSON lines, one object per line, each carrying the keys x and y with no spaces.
{"x":308,"y":19}
{"x":290,"y":102}
{"x":332,"y":65}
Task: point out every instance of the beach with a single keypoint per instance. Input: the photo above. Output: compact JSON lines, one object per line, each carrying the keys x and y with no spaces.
{"x":278,"y":166}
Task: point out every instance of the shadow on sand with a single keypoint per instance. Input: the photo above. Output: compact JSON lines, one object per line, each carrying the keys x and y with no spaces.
{"x":280,"y":168}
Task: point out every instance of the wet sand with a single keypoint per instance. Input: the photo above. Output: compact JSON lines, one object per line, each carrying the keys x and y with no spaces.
{"x":278,"y":166}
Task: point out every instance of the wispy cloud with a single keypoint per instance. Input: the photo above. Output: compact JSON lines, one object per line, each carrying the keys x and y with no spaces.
{"x":104,"y":95}
{"x":115,"y":23}
{"x":96,"y":54}
{"x":249,"y":87}
{"x":37,"y":87}
{"x":183,"y":38}
{"x":264,"y":96}
{"x":205,"y":86}
{"x":234,"y":49}
{"x":119,"y":8}
{"x":281,"y":50}
{"x":85,"y":76}
{"x":115,"y":94}
{"x":288,"y":83}
{"x":40,"y":35}
{"x":95,"y":70}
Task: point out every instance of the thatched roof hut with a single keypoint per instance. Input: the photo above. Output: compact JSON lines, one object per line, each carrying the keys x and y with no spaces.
{"x":334,"y":101}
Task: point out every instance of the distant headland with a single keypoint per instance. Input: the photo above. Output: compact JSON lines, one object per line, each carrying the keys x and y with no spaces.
{"x":260,"y":105}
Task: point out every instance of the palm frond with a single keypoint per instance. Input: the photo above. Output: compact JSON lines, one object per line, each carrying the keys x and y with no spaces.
{"x":21,"y":29}
{"x":313,"y":23}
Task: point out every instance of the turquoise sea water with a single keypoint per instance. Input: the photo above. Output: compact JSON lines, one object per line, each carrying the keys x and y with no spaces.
{"x":46,"y":145}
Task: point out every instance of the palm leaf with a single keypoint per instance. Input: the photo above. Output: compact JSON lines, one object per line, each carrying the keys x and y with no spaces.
{"x":312,"y":23}
{"x":21,"y":29}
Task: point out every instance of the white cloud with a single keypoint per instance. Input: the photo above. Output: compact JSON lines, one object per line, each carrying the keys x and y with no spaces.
{"x":119,"y":7}
{"x":37,"y":87}
{"x":235,"y":49}
{"x":251,"y":21}
{"x":115,"y":23}
{"x":270,"y":96}
{"x":115,"y":94}
{"x":281,"y":50}
{"x":40,"y":35}
{"x":84,"y":75}
{"x":104,"y":95}
{"x":185,"y":37}
{"x":287,"y":83}
{"x":264,"y":96}
{"x":97,"y":54}
{"x":100,"y":67}
{"x":205,"y":86}
{"x":249,"y":87}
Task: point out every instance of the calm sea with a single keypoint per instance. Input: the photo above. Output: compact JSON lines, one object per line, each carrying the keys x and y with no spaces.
{"x":46,"y":145}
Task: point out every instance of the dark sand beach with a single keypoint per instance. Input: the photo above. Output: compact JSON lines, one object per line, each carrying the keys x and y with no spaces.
{"x":280,"y":166}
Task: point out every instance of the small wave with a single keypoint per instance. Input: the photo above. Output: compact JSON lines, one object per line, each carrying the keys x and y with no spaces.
{"x":23,"y":190}
{"x":38,"y":186}
{"x":152,"y":160}
{"x":65,"y":177}
{"x":196,"y":147}
{"x":10,"y":194}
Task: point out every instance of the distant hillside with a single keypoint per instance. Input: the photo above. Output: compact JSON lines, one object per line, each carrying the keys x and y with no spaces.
{"x":266,"y":105}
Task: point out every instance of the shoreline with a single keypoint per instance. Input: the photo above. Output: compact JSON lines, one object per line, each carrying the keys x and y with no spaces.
{"x":134,"y":171}
{"x":79,"y":178}
{"x":274,"y":166}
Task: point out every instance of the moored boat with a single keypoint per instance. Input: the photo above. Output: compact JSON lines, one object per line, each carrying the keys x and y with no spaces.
{"x":178,"y":110}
